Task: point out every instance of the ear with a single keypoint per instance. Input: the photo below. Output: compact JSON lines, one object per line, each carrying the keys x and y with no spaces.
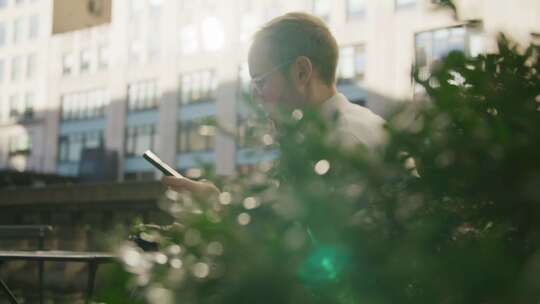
{"x":303,"y":70}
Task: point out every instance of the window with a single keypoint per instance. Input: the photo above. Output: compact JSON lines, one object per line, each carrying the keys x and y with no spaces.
{"x":34,"y":27}
{"x":136,"y":7}
{"x":30,"y":66}
{"x":153,"y":45}
{"x":244,"y":81}
{"x":28,"y":111}
{"x":70,"y":146}
{"x":189,"y":40}
{"x":19,"y":2}
{"x":322,"y":8}
{"x":84,"y":105}
{"x":136,"y":51}
{"x":86,"y":61}
{"x":2,"y":33}
{"x":213,"y":34}
{"x":405,"y":3}
{"x":155,"y":8}
{"x":143,"y":95}
{"x":248,"y":26}
{"x":139,"y":139}
{"x":432,"y":46}
{"x":356,"y":8}
{"x":103,"y":57}
{"x":198,"y":86}
{"x":68,"y":63}
{"x":195,"y":136}
{"x":3,"y":3}
{"x":2,"y":70}
{"x":15,"y":106}
{"x":20,"y":144}
{"x":18,"y":30}
{"x":245,"y":127}
{"x":16,"y":65}
{"x":352,"y":63}
{"x":21,"y":109}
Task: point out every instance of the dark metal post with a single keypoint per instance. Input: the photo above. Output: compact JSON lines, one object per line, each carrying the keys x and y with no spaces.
{"x":92,"y":268}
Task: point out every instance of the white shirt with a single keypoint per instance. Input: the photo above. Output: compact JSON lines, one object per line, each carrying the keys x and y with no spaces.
{"x":355,"y":124}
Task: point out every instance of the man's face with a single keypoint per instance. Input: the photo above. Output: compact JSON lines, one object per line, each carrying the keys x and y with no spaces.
{"x":271,"y":82}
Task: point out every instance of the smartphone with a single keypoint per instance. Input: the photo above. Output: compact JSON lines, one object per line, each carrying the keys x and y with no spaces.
{"x":160,"y":165}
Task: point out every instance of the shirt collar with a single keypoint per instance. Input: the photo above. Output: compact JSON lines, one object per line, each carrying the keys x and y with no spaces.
{"x":332,"y":105}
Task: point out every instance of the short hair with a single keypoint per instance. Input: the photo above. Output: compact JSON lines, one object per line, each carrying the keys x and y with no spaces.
{"x":300,"y":34}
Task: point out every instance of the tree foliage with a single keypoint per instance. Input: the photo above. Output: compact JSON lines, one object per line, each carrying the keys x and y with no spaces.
{"x":324,"y":224}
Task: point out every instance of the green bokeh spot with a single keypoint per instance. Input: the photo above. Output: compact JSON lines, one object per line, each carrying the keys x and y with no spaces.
{"x":324,"y":265}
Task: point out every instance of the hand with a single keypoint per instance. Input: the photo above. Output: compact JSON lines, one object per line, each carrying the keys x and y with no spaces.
{"x":203,"y":189}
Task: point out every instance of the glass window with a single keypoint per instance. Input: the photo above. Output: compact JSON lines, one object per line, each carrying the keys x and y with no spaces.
{"x":144,"y":139}
{"x":143,"y":95}
{"x":2,"y":70}
{"x":352,"y":63}
{"x":346,"y":63}
{"x":198,"y":86}
{"x":29,"y":104}
{"x":130,"y":140}
{"x":34,"y":27}
{"x":155,"y":8}
{"x":86,"y":61}
{"x":136,"y":51}
{"x":20,"y":144}
{"x":182,"y":138}
{"x":185,"y":87}
{"x":103,"y":57}
{"x":63,"y":148}
{"x":3,"y":3}
{"x":248,"y":26}
{"x":213,"y":34}
{"x":92,"y":140}
{"x":75,"y":147}
{"x":71,"y":146}
{"x":322,"y":8}
{"x":153,"y":45}
{"x":30,"y":66}
{"x":193,"y":136}
{"x":84,"y":105}
{"x":356,"y":8}
{"x":14,"y":106}
{"x":197,"y":142}
{"x":68,"y":63}
{"x":18,"y":30}
{"x":189,"y":41}
{"x":136,"y":7}
{"x":434,"y":45}
{"x":2,"y":33}
{"x":16,"y":65}
{"x":359,"y":61}
{"x":405,"y":3}
{"x":65,"y":107}
{"x":139,"y":139}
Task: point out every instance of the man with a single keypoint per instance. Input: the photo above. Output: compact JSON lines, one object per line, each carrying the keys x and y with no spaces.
{"x":292,"y":63}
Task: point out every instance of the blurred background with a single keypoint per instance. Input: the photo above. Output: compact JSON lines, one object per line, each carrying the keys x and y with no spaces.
{"x":86,"y":86}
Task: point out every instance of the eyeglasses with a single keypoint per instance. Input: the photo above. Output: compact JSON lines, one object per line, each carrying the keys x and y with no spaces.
{"x":258,"y":82}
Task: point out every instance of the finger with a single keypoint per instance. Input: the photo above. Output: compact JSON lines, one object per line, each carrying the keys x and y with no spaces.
{"x":186,"y":184}
{"x":180,"y":183}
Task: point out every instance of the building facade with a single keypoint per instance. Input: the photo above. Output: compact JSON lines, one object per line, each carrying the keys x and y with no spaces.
{"x":162,"y":70}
